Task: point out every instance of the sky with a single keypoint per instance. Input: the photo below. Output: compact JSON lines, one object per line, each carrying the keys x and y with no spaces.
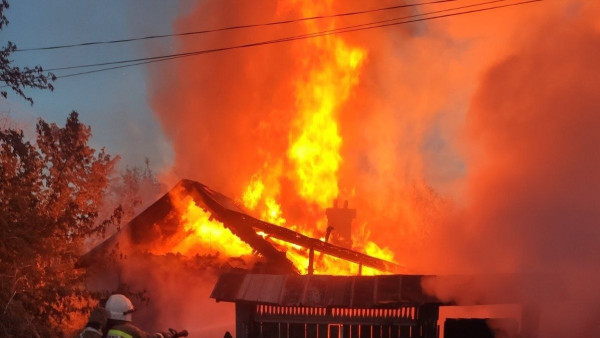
{"x":113,"y":103}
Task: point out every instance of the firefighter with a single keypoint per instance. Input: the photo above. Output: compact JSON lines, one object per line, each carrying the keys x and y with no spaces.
{"x":119,"y":325}
{"x":96,"y":324}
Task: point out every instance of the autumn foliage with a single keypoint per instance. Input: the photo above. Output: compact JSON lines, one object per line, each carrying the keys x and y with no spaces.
{"x":50,"y":194}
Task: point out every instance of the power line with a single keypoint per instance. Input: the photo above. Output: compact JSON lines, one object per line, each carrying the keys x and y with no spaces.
{"x":367,"y":26}
{"x":273,"y":23}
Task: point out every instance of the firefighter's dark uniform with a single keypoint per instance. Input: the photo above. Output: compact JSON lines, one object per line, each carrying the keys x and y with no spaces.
{"x":128,"y":330}
{"x":96,"y":323}
{"x":90,"y":332}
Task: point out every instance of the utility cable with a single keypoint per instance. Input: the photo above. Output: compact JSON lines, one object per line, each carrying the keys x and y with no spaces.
{"x":368,"y":26}
{"x":273,"y":23}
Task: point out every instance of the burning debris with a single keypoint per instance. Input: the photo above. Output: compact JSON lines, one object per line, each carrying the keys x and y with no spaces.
{"x":193,"y":219}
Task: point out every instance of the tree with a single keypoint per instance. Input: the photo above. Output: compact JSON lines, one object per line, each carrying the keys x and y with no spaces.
{"x":50,"y":194}
{"x":14,"y":77}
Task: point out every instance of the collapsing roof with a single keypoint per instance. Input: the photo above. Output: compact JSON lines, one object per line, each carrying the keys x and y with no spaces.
{"x":158,"y":222}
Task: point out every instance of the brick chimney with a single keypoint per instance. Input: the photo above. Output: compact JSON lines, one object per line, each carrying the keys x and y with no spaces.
{"x":339,"y":220}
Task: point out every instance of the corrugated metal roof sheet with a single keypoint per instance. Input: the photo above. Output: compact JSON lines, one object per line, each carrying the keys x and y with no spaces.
{"x":228,"y":286}
{"x":384,"y":291}
{"x":327,"y":290}
{"x":321,"y":291}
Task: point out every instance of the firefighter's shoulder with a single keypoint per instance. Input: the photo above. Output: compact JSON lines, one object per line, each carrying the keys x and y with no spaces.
{"x":129,"y":330}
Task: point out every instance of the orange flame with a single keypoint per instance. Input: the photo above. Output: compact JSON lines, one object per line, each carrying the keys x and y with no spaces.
{"x":307,"y":168}
{"x":316,"y":141}
{"x":200,"y":234}
{"x":332,"y":70}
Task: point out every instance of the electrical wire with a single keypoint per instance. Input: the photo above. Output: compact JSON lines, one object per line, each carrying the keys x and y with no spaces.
{"x":292,"y":38}
{"x":368,"y":26}
{"x":273,"y":23}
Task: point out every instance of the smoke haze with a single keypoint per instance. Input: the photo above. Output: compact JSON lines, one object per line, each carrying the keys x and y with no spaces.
{"x":468,"y":144}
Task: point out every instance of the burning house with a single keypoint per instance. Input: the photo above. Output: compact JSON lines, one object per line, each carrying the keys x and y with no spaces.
{"x":198,"y":233}
{"x":278,"y":291}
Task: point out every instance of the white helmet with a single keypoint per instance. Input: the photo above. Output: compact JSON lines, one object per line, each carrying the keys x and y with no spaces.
{"x":119,"y":307}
